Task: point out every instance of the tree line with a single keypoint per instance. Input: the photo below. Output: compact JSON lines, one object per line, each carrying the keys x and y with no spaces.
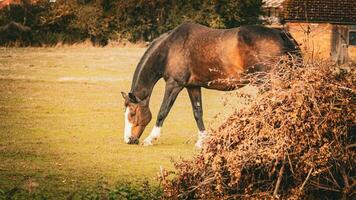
{"x":71,"y":21}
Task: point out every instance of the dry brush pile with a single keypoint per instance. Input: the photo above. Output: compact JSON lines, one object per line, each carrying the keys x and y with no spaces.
{"x":295,"y":141}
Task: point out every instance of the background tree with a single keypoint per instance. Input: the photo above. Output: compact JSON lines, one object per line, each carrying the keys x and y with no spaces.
{"x":70,"y":21}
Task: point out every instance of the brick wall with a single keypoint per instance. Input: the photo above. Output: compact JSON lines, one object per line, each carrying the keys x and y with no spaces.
{"x":316,"y":44}
{"x":352,"y":53}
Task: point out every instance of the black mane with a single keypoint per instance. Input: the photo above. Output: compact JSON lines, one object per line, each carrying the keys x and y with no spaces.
{"x":152,"y":47}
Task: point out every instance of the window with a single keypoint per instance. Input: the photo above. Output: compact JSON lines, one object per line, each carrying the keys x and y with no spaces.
{"x":352,"y":38}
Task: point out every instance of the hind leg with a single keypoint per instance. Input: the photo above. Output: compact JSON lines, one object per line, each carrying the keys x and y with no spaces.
{"x":195,"y":99}
{"x":170,"y":95}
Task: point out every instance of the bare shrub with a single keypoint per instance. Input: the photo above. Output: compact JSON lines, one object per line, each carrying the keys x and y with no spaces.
{"x":295,"y":141}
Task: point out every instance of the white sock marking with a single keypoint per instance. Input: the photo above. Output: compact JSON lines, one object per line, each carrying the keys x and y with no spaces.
{"x":202,"y":135}
{"x":155,"y":133}
{"x":128,"y":126}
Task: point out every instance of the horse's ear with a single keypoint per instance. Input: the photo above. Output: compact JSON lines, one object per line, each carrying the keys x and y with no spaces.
{"x":124,"y":95}
{"x":133,"y":98}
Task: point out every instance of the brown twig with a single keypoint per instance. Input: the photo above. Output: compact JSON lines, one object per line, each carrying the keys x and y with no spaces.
{"x":332,"y":176}
{"x":278,"y":183}
{"x":346,"y":189}
{"x":317,"y":185}
{"x":306,"y":179}
{"x":351,"y":146}
{"x":290,"y":163}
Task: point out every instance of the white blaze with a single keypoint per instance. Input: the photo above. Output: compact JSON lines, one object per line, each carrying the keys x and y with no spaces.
{"x":128,"y":126}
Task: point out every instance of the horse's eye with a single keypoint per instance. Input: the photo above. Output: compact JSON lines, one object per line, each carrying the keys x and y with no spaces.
{"x":132,"y":113}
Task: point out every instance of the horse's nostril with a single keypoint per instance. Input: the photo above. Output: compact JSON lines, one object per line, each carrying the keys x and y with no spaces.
{"x":133,"y":140}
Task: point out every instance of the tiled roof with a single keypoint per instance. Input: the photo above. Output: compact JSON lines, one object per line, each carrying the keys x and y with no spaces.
{"x":332,"y":11}
{"x":4,"y":3}
{"x":272,"y":3}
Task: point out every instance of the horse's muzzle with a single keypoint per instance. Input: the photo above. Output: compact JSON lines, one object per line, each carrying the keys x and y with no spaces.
{"x":133,"y":140}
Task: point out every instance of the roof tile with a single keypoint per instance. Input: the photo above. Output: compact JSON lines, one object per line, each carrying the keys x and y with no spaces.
{"x":332,"y":11}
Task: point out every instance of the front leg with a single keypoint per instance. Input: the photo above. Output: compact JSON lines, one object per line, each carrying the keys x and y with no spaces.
{"x":195,"y":99}
{"x":171,"y":92}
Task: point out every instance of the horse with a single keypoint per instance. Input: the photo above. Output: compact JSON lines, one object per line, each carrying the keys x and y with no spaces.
{"x":193,"y":56}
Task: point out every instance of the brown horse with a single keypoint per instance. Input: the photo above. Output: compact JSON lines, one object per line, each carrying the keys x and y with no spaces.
{"x":193,"y":56}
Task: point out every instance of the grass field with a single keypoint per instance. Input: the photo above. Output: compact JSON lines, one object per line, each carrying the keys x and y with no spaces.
{"x":61,"y":120}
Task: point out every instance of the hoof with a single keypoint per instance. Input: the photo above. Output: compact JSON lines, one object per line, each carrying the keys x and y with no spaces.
{"x":147,"y":142}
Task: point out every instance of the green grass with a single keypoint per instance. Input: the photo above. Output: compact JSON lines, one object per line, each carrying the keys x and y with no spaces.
{"x":61,"y":121}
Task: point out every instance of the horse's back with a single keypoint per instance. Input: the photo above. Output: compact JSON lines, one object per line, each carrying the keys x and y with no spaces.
{"x":202,"y":41}
{"x":198,"y":55}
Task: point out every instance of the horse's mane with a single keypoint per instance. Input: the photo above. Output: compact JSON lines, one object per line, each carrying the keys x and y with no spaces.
{"x":152,"y":47}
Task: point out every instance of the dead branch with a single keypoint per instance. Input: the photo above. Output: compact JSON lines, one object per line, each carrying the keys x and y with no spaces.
{"x":306,"y":179}
{"x":279,"y":180}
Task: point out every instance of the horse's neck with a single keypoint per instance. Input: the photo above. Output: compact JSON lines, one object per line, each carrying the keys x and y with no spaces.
{"x":144,"y":84}
{"x":150,"y":69}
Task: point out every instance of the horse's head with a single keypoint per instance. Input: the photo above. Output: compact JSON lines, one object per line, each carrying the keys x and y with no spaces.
{"x":137,"y":116}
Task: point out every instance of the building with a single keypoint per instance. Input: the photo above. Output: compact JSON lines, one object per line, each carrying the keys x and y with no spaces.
{"x":324,"y":28}
{"x":7,"y":3}
{"x":273,"y":10}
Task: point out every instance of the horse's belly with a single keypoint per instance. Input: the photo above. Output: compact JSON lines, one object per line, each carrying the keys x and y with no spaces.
{"x":224,"y":84}
{"x":218,"y":78}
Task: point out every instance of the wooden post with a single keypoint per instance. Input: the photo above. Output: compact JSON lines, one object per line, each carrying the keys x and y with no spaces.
{"x":339,"y":44}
